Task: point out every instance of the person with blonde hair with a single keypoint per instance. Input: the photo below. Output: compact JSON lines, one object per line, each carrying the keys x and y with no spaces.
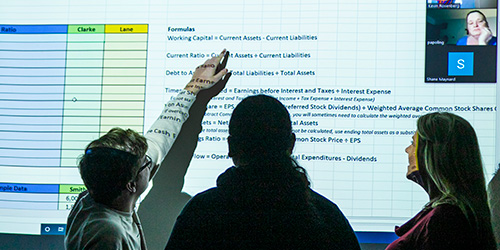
{"x":444,"y":158}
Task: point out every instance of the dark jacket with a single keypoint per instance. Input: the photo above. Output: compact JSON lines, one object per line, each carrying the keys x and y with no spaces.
{"x":250,"y":209}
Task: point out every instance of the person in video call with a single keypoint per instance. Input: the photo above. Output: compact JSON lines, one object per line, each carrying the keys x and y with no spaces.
{"x":444,"y":159}
{"x":265,"y":200}
{"x":117,"y":167}
{"x":478,"y":30}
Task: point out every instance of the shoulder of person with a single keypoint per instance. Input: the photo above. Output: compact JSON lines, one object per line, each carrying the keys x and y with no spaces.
{"x":202,"y":199}
{"x":320,"y":200}
{"x":447,"y":217}
{"x":326,"y":208}
{"x":205,"y":195}
{"x":104,"y":241}
{"x":493,"y":41}
{"x":101,"y":233}
{"x":105,"y":224}
{"x":447,"y":210}
{"x":462,"y":40}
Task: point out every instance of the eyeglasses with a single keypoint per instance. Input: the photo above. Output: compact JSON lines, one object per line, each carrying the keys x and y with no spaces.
{"x":148,"y":164}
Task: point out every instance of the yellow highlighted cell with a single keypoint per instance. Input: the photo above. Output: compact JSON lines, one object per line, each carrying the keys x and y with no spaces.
{"x":120,"y":80}
{"x":129,"y":112}
{"x":139,"y":63}
{"x":126,"y":46}
{"x":121,"y":121}
{"x":106,"y":128}
{"x":123,"y":89}
{"x":124,"y":72}
{"x":138,"y":37}
{"x":123,"y":97}
{"x":119,"y":54}
{"x":126,"y":28}
{"x":122,"y":105}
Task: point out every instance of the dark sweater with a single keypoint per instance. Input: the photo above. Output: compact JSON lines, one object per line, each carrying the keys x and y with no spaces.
{"x":442,"y":227}
{"x":251,"y":209}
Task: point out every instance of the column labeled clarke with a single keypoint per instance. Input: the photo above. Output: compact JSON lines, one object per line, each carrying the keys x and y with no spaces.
{"x":82,"y":92}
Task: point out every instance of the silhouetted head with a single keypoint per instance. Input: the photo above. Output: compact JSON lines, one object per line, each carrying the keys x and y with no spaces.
{"x":260,"y":127}
{"x":111,"y":162}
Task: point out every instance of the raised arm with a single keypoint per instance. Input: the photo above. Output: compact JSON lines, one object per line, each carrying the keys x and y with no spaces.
{"x":162,"y":134}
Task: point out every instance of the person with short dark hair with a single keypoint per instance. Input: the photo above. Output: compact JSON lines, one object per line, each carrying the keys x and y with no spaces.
{"x":117,"y":167}
{"x":444,"y":159}
{"x":265,"y":200}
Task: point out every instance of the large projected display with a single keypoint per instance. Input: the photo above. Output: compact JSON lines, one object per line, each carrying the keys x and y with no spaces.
{"x":355,"y":76}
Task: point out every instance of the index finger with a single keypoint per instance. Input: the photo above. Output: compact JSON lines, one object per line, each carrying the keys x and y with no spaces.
{"x":216,"y":59}
{"x":221,"y":55}
{"x":226,"y":57}
{"x":223,"y":64}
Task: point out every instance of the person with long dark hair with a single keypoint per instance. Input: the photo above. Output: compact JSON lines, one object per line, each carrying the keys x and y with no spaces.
{"x":444,"y":158}
{"x":265,"y":200}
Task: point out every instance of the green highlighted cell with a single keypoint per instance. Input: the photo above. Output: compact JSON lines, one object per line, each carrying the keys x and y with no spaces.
{"x":85,"y":46}
{"x":71,"y":189}
{"x":89,"y":63}
{"x":85,"y":28}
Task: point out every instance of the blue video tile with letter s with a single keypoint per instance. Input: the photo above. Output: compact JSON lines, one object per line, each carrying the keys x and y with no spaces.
{"x":461,"y":63}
